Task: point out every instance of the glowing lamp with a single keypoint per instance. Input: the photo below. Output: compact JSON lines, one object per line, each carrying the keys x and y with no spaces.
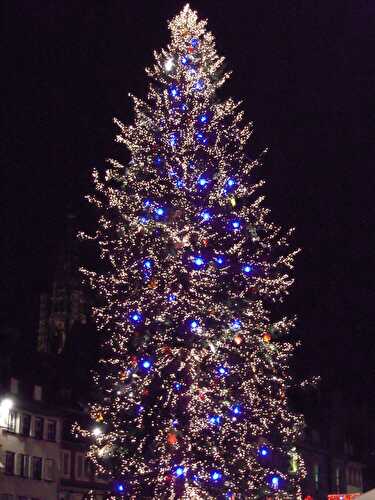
{"x":216,"y":475}
{"x":6,"y":404}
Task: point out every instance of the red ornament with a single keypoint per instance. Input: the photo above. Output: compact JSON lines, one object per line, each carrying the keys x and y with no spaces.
{"x":167,"y":350}
{"x":172,"y":438}
{"x":145,"y":392}
{"x":267,"y":337}
{"x":191,"y":49}
{"x":202,"y":396}
{"x":134,"y":360}
{"x":168,"y":478}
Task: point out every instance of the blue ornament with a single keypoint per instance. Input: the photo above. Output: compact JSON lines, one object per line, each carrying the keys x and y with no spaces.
{"x":159,"y":161}
{"x":203,"y":118}
{"x":199,"y":85}
{"x":235,"y":224}
{"x":275,"y":482}
{"x":159,"y":212}
{"x":180,"y":183}
{"x":139,"y":409}
{"x":194,"y":43}
{"x":144,"y":219}
{"x":264,"y":451}
{"x":199,"y":261}
{"x":146,"y":364}
{"x":247,"y":269}
{"x":230,"y":184}
{"x":147,"y":264}
{"x":179,"y":471}
{"x":183,"y":107}
{"x":193,"y":324}
{"x":174,"y":91}
{"x":235,"y":325}
{"x":171,"y":297}
{"x":220,"y":260}
{"x":215,"y":420}
{"x":206,"y":216}
{"x":174,"y":138}
{"x":177,"y":386}
{"x":119,"y":487}
{"x":136,"y":317}
{"x":216,"y":475}
{"x":236,"y":410}
{"x":147,"y":202}
{"x":185,"y":60}
{"x":201,"y":138}
{"x":222,"y":371}
{"x":202,"y":182}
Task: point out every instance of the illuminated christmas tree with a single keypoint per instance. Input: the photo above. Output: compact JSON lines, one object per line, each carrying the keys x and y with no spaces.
{"x":194,"y":369}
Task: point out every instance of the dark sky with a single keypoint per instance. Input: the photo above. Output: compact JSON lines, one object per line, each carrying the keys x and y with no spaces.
{"x":305,"y":70}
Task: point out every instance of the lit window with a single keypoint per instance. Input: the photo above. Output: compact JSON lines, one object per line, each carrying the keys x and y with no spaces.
{"x":12,"y":421}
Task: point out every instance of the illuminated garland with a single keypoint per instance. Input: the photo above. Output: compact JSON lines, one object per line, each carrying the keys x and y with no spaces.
{"x":195,"y":369}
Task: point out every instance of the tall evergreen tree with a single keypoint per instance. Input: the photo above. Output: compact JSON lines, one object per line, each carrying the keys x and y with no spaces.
{"x":195,"y":365}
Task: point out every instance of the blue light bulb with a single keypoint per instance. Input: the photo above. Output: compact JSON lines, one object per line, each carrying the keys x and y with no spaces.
{"x":179,"y":471}
{"x":194,"y":42}
{"x":159,"y":211}
{"x":174,"y":91}
{"x":201,"y":138}
{"x":222,"y":371}
{"x":215,"y":420}
{"x":236,"y":410}
{"x":199,"y":85}
{"x":247,"y":269}
{"x":206,"y":216}
{"x":146,"y":364}
{"x":219,"y":259}
{"x":185,"y":60}
{"x":263,"y":451}
{"x":194,"y":323}
{"x":236,"y":324}
{"x":177,"y":386}
{"x":171,"y":297}
{"x":216,"y":475}
{"x":275,"y":482}
{"x":199,"y":261}
{"x":203,"y":118}
{"x":235,"y":224}
{"x":231,"y":182}
{"x":119,"y":487}
{"x":202,"y":181}
{"x":135,"y":317}
{"x":147,"y":264}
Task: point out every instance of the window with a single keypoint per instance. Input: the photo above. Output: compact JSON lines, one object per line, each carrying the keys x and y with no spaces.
{"x":49,"y":469}
{"x":25,"y":425}
{"x":65,"y":463}
{"x":9,"y":463}
{"x":79,"y":466}
{"x":38,"y":427}
{"x":12,"y":421}
{"x":23,"y":465}
{"x":51,"y":430}
{"x":88,"y":469}
{"x":36,"y":468}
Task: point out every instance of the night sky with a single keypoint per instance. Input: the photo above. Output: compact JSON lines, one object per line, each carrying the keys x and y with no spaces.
{"x":305,"y":70}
